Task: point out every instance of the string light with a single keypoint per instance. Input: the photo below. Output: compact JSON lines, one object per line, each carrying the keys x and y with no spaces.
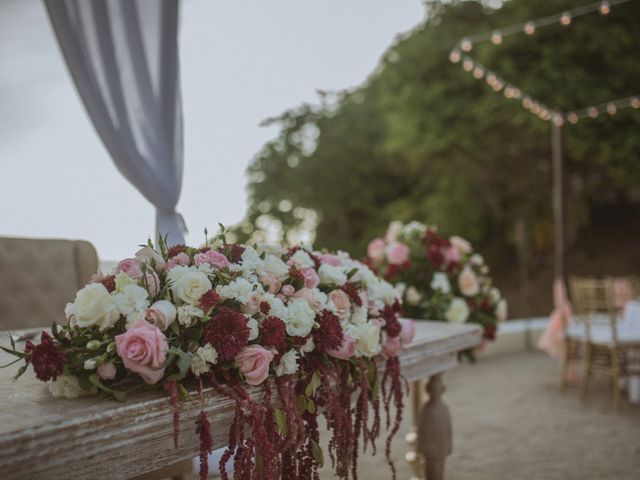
{"x":512,"y":92}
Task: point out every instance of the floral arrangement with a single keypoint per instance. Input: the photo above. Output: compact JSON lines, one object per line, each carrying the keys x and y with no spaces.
{"x":439,"y":278}
{"x":311,"y":328}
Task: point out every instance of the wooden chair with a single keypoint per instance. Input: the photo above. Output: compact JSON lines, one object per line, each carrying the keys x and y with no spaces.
{"x":597,"y":322}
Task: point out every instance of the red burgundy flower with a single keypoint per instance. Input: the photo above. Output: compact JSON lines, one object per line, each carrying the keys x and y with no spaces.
{"x":176,"y":249}
{"x":109,"y":283}
{"x":351,"y":289}
{"x":209,"y":300}
{"x":273,"y":334}
{"x":227,"y":332}
{"x":47,"y":359}
{"x":330,"y":335}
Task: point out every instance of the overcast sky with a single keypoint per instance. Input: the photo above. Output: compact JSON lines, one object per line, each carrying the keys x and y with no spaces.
{"x":242,"y":61}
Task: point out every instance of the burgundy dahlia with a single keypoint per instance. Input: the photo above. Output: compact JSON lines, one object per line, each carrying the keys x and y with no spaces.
{"x":329,"y":336}
{"x":176,"y":249}
{"x":47,"y":359}
{"x":435,"y":256}
{"x":351,"y":289}
{"x":273,"y":334}
{"x":265,"y":308}
{"x":236,"y":253}
{"x":209,"y":300}
{"x":227,"y":332}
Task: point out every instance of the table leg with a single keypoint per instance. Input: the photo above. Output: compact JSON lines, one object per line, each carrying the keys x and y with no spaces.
{"x":434,"y":440}
{"x":413,"y":458}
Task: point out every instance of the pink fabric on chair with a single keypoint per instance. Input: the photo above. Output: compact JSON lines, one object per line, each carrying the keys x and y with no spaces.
{"x":622,"y":292}
{"x":552,"y":339}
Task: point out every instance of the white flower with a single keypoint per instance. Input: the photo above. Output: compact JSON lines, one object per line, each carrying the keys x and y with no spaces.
{"x":68,"y":386}
{"x":240,"y":289}
{"x":379,"y":290}
{"x":199,"y":366}
{"x":270,"y":248}
{"x":288,"y":364}
{"x":501,"y":310}
{"x":463,"y":246}
{"x":177,"y":272}
{"x":276,"y":267}
{"x":359,"y":316}
{"x":191,"y":286}
{"x":188,"y":313}
{"x":308,"y":346}
{"x":204,"y":356}
{"x":300,"y":318}
{"x":394,"y":230}
{"x":458,"y":311}
{"x":494,"y":295}
{"x":413,"y":296}
{"x":413,"y":229}
{"x":277,"y":307}
{"x":251,"y":262}
{"x":477,"y":259}
{"x":252,"y":323}
{"x":368,"y":343}
{"x":440,"y":282}
{"x":122,"y":280}
{"x":90,"y":364}
{"x":302,"y":259}
{"x":150,"y":256}
{"x":401,"y":287}
{"x":132,"y":302}
{"x":332,"y":275}
{"x":468,"y":282}
{"x":94,"y":306}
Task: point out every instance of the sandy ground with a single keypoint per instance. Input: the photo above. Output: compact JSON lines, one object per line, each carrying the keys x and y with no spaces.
{"x":511,"y":422}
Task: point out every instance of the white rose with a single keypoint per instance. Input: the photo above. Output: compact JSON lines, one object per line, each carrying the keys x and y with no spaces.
{"x":440,"y":282}
{"x":191,"y":286}
{"x":161,"y":314}
{"x":463,"y":246}
{"x":150,"y":256}
{"x":95,"y":306}
{"x":468,"y":282}
{"x":276,"y":267}
{"x":458,"y":311}
{"x":68,"y":386}
{"x":413,"y":296}
{"x":501,"y":310}
{"x":288,"y":364}
{"x":302,"y":259}
{"x":188,"y":313}
{"x":494,"y":295}
{"x":177,"y":272}
{"x":477,"y":259}
{"x":300,"y":318}
{"x":332,"y":275}
{"x":277,"y":307}
{"x":240,"y":289}
{"x":252,"y":323}
{"x":132,"y":302}
{"x":401,"y":288}
{"x":368,"y":343}
{"x":381,"y":291}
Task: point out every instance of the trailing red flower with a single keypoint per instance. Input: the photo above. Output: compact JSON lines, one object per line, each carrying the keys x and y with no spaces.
{"x":489,"y":332}
{"x":393,"y":325}
{"x":273,"y":331}
{"x":47,"y":359}
{"x":172,"y":388}
{"x":351,"y":289}
{"x":176,"y":249}
{"x":209,"y":300}
{"x":203,"y":428}
{"x":330,"y":335}
{"x":227,"y":332}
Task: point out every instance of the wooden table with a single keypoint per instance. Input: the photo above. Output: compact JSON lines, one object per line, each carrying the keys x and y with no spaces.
{"x":42,"y":437}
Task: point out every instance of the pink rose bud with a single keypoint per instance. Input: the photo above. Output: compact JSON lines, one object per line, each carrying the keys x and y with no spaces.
{"x":143,"y":349}
{"x":253,"y":363}
{"x":107,"y":371}
{"x":288,"y":290}
{"x":148,"y":255}
{"x":152,"y":283}
{"x":329,"y":259}
{"x":130,"y":267}
{"x":161,"y":314}
{"x":375,"y":250}
{"x":311,"y":279}
{"x":341,"y":302}
{"x":346,"y":350}
{"x":253,"y":305}
{"x":408,"y":331}
{"x":391,"y":347}
{"x":270,"y":282}
{"x":397,"y":253}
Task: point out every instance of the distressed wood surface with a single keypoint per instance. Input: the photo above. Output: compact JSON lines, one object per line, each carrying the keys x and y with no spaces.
{"x":45,"y":437}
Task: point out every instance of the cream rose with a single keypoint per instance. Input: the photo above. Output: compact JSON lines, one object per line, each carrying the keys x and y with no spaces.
{"x":458,"y":311}
{"x":161,"y":314}
{"x":368,"y":343}
{"x":191,"y":286}
{"x":332,"y":275}
{"x":95,"y":306}
{"x":468,"y":282}
{"x":300,"y":318}
{"x":413,"y":296}
{"x":463,"y":246}
{"x":341,"y":302}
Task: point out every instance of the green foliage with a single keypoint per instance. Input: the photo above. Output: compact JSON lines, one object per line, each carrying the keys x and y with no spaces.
{"x":422,"y":139}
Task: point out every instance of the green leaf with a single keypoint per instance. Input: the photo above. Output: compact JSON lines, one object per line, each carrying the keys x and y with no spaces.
{"x":302,"y":403}
{"x":281,"y":421}
{"x":95,"y":380}
{"x":20,"y":371}
{"x":13,"y":352}
{"x":318,"y":454}
{"x":311,"y":406}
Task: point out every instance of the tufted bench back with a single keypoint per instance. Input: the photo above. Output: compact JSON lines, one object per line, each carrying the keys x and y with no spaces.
{"x":39,"y":276}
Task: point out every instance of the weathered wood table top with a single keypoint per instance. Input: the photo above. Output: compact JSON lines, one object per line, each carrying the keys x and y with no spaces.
{"x":46,"y":437}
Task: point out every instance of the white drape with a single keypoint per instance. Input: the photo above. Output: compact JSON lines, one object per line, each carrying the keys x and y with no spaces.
{"x":123,"y":58}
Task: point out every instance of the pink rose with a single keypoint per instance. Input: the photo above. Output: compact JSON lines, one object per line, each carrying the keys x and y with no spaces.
{"x":391,"y":347}
{"x":408,"y":331}
{"x":451,"y":255}
{"x":375,"y":249}
{"x":468,"y":283}
{"x":288,"y":290}
{"x":143,"y":349}
{"x":213,"y":258}
{"x":107,"y":371}
{"x":311,"y":279}
{"x":397,"y":253}
{"x":346,"y":350}
{"x":342,"y":303}
{"x":282,"y":298}
{"x":312,"y":299}
{"x":253,"y":363}
{"x":161,"y":314}
{"x":148,"y":255}
{"x":130,"y":267}
{"x":152,"y":282}
{"x":329,"y":259}
{"x":180,"y":259}
{"x":253,"y":305}
{"x":270,"y":282}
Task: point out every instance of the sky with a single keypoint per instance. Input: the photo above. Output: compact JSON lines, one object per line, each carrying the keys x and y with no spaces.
{"x":241,"y":62}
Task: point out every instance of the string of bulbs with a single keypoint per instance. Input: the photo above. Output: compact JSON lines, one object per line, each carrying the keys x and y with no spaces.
{"x":459,"y":54}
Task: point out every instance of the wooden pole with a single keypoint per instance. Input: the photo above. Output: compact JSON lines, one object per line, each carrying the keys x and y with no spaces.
{"x":558,"y":202}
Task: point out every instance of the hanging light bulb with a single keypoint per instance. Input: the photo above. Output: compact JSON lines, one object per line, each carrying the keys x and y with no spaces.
{"x":478,"y":72}
{"x":454,"y":56}
{"x":466,"y":45}
{"x":565,"y":19}
{"x":508,"y":92}
{"x":604,"y":8}
{"x":529,"y":28}
{"x":526,"y":103}
{"x":497,"y":85}
{"x":491,"y":79}
{"x":573,"y":118}
{"x":557,"y":120}
{"x":635,"y":102}
{"x":535,"y":108}
{"x":467,"y":65}
{"x":496,"y":38}
{"x":516,"y":92}
{"x":612,"y":109}
{"x":593,"y":112}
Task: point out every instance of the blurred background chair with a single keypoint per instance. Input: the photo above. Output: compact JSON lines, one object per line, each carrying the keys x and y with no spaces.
{"x":597,"y":325}
{"x":38,"y":277}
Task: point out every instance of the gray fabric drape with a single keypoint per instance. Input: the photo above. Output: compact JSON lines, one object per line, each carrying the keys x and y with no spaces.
{"x":123,"y":58}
